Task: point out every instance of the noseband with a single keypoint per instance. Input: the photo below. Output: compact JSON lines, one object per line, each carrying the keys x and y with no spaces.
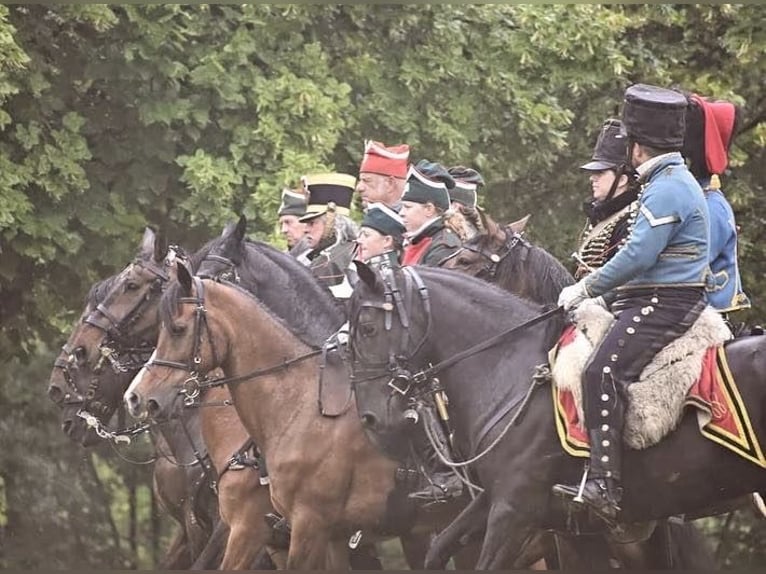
{"x":191,"y":386}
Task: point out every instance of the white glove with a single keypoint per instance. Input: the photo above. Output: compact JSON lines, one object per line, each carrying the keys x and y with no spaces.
{"x":342,"y":334}
{"x":572,"y":296}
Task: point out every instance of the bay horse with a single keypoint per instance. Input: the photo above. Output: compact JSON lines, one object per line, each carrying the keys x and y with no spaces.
{"x":503,"y":256}
{"x":284,"y":287}
{"x":120,"y":324}
{"x":503,"y":424}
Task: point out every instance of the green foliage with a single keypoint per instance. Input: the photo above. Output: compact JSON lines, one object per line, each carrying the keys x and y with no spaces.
{"x":113,"y":117}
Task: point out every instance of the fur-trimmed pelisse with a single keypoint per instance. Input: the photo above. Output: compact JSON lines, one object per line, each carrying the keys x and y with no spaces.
{"x":656,"y":401}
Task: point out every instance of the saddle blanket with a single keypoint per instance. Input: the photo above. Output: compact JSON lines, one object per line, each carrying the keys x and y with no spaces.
{"x":691,"y":371}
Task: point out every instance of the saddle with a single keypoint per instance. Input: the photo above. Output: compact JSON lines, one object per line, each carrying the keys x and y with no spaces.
{"x":656,"y":401}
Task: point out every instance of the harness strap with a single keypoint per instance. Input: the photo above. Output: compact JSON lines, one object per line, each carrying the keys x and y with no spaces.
{"x":484,"y":345}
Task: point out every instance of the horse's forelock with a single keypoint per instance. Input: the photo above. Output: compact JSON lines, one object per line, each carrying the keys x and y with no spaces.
{"x":169,"y":304}
{"x":98,"y":291}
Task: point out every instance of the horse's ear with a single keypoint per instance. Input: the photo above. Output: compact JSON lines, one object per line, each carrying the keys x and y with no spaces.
{"x":160,"y":245}
{"x":147,"y":243}
{"x":239,"y":232}
{"x":518,"y":226}
{"x":184,"y":276}
{"x":368,"y":276}
{"x":489,"y":224}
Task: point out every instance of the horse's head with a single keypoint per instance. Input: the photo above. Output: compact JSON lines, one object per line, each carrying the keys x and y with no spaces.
{"x":481,"y":255}
{"x":81,"y":389}
{"x":185,"y":352}
{"x":112,"y":340}
{"x":222,"y":257}
{"x":389,"y":328}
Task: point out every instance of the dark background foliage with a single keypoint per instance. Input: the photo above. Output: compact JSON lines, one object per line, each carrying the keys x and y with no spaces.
{"x":116,"y":117}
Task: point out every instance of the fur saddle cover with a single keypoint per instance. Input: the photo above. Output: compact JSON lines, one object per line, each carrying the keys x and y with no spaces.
{"x":656,"y":400}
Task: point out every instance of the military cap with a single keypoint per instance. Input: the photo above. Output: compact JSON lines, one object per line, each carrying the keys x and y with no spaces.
{"x":383,"y":219}
{"x":467,"y":183}
{"x":422,"y":189}
{"x":384,"y":160}
{"x":293,"y":203}
{"x":654,"y":116}
{"x":328,"y":192}
{"x":611,"y":147}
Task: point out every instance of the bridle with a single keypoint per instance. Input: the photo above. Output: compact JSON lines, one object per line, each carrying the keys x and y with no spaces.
{"x":398,"y":365}
{"x":399,"y":356}
{"x":492,"y":260}
{"x":196,"y":382}
{"x":114,"y":350}
{"x":229,"y":274}
{"x":190,"y":388}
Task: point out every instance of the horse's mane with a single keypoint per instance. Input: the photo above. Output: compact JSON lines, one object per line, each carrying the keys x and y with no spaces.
{"x":287,"y":288}
{"x":170,"y":298}
{"x":491,"y":295}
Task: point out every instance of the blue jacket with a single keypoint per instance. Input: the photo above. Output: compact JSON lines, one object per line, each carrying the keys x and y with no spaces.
{"x":725,"y":290}
{"x":668,"y":244}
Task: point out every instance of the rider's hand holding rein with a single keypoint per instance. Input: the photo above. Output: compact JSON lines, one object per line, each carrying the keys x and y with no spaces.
{"x":573,"y":295}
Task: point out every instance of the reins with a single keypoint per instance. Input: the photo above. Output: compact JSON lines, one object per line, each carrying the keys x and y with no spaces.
{"x":487,"y":344}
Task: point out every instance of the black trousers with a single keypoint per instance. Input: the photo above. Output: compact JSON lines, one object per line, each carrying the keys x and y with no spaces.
{"x":647,"y":320}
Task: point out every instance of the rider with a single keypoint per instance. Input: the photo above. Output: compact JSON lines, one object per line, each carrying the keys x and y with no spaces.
{"x":383,"y":174}
{"x":614,"y":192}
{"x":710,"y":127}
{"x":330,"y":232}
{"x":381,"y":237}
{"x":425,"y":206}
{"x":293,"y":206}
{"x":657,"y":279}
{"x":464,"y":198}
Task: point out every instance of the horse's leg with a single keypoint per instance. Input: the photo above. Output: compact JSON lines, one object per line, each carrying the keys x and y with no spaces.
{"x":470,"y":521}
{"x":177,"y":556}
{"x":243,"y":504}
{"x":414,"y":548}
{"x":211,"y":556}
{"x":309,"y":541}
{"x":506,"y":531}
{"x":337,"y":556}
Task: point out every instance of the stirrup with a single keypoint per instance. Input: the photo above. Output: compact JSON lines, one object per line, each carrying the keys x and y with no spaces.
{"x":578,"y":499}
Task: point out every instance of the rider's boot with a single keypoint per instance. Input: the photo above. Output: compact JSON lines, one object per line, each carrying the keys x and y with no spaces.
{"x":601,"y":490}
{"x":443,"y":486}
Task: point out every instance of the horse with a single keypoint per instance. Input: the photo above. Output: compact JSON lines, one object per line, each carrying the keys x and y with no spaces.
{"x":503,"y":256}
{"x":103,"y":353}
{"x":272,"y":276}
{"x":428,"y":322}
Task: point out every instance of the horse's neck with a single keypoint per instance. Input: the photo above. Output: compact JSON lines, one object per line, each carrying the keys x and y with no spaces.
{"x":183,"y":436}
{"x":479,"y":397}
{"x":268,"y":404}
{"x":222,"y":430}
{"x":311,"y":313}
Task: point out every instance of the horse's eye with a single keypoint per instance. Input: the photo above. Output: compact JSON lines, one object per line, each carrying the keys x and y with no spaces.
{"x":178,"y":329}
{"x":463,"y":261}
{"x":367,"y":329}
{"x":131,"y":286}
{"x":79,"y":354}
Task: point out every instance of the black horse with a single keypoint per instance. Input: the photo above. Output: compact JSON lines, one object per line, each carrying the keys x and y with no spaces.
{"x":503,"y":256}
{"x":409,"y":323}
{"x":105,"y":350}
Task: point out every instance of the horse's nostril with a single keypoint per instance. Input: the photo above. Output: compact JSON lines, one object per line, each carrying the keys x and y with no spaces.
{"x":369,"y":420}
{"x":153,"y":407}
{"x":67,"y":426}
{"x":55,"y":394}
{"x":134,"y":402}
